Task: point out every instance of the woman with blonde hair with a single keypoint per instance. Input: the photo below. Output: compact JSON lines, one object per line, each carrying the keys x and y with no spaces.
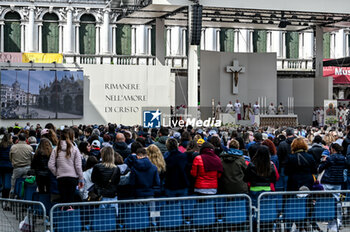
{"x":106,"y":175}
{"x":156,"y":158}
{"x":300,"y":166}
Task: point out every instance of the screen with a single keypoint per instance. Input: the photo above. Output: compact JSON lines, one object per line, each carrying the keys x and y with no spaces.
{"x":35,"y":94}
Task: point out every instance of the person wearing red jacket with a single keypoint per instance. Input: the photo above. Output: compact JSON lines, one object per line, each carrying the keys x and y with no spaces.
{"x":206,"y":169}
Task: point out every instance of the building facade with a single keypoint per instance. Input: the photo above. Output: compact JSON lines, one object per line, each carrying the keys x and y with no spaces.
{"x":85,"y":29}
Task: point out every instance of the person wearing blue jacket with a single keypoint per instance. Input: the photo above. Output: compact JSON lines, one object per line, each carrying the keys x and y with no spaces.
{"x":144,"y":176}
{"x":333,"y":177}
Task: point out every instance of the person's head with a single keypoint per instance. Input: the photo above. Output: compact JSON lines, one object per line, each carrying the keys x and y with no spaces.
{"x":262,"y":161}
{"x":95,"y":144}
{"x":32,"y":140}
{"x":84,"y":147}
{"x":22,"y":137}
{"x":107,"y":155}
{"x":257,"y":137}
{"x":6,"y":140}
{"x":171,"y":144}
{"x":91,"y":162}
{"x":50,"y":126}
{"x":233,"y":144}
{"x":135,"y":146}
{"x":317,"y":139}
{"x":163,"y":131}
{"x":192,"y":146}
{"x":44,"y":147}
{"x":156,"y":157}
{"x":197,"y":137}
{"x":271,"y":146}
{"x":65,"y":139}
{"x":106,"y":138}
{"x":185,"y":136}
{"x":205,"y":146}
{"x":87,"y":131}
{"x":299,"y":144}
{"x":51,"y":135}
{"x":216,"y":141}
{"x":120,"y":138}
{"x":280,"y":103}
{"x":230,"y":102}
{"x":118,"y":159}
{"x":141,"y":153}
{"x":336,"y":148}
{"x":290,"y":132}
{"x":237,"y":101}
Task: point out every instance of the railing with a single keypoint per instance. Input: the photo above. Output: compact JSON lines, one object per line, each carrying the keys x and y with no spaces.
{"x":295,"y":64}
{"x":303,"y":210}
{"x":19,"y":215}
{"x":110,"y":59}
{"x":175,"y":62}
{"x":202,"y":213}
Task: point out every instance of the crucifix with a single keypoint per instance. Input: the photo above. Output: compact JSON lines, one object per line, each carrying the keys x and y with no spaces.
{"x":235,"y":70}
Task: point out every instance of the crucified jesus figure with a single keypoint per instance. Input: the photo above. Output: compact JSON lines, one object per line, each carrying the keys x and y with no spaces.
{"x":236,"y":75}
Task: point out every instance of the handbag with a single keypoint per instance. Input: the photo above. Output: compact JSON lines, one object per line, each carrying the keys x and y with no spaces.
{"x":95,"y":191}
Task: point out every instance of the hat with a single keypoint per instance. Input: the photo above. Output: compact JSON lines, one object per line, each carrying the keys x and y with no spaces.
{"x":212,"y":132}
{"x":200,"y":141}
{"x":96,"y":143}
{"x":199,"y":131}
{"x":44,"y":131}
{"x":264,"y":136}
{"x":339,"y":142}
{"x":177,"y":135}
{"x":31,"y":140}
{"x":326,"y":153}
{"x":290,"y":131}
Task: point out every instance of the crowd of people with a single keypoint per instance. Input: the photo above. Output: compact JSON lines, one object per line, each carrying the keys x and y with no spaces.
{"x":83,"y":163}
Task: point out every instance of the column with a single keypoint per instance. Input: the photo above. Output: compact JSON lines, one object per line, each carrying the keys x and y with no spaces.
{"x":2,"y":36}
{"x":69,"y":31}
{"x":236,"y":46}
{"x":60,"y":38}
{"x":250,"y":38}
{"x":332,"y":45}
{"x":184,"y":40}
{"x":23,"y":48}
{"x":114,"y":39}
{"x":346,"y":34}
{"x":301,"y":45}
{"x":203,"y":40}
{"x":192,"y":72}
{"x":40,"y":40}
{"x":283,"y":44}
{"x":168,"y":40}
{"x":218,"y":40}
{"x":133,"y":40}
{"x":31,"y":47}
{"x":98,"y":29}
{"x":149,"y":40}
{"x":77,"y":45}
{"x":319,"y":52}
{"x":160,"y":53}
{"x":105,"y":42}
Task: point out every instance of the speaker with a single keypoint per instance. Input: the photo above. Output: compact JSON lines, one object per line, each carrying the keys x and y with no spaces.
{"x":196,"y":24}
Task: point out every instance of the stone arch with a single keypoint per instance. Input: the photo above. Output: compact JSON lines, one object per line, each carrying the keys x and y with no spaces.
{"x":2,"y":16}
{"x":41,"y":17}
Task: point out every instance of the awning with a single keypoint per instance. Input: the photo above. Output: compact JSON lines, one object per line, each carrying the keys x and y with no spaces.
{"x":341,"y":75}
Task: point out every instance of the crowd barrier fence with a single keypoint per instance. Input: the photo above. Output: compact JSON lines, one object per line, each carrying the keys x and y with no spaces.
{"x":304,"y":211}
{"x":202,"y":213}
{"x":22,"y":215}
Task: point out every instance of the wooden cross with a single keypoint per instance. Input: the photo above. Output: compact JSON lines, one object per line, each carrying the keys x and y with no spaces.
{"x":235,"y":70}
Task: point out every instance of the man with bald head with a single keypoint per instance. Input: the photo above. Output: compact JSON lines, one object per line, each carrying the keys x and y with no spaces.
{"x":120,"y":146}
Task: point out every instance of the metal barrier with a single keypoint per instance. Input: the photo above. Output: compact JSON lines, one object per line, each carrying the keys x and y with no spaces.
{"x":304,"y":210}
{"x":14,"y":213}
{"x":202,"y":213}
